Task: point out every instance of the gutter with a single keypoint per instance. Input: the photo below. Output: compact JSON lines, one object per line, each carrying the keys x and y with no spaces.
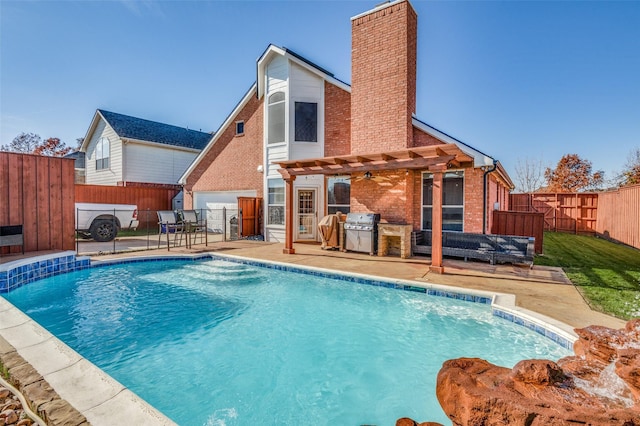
{"x":484,"y":194}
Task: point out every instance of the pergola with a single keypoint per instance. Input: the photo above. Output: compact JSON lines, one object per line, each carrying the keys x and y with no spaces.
{"x":435,"y":158}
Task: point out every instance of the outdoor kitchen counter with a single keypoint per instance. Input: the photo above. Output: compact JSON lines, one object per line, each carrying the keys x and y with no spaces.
{"x":387,"y":232}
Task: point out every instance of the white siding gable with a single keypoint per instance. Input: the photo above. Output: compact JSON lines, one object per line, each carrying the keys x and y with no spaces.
{"x":305,"y":86}
{"x":113,"y":174}
{"x":154,"y":163}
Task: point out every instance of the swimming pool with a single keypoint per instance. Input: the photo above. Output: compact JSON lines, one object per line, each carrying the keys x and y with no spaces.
{"x":216,"y":342}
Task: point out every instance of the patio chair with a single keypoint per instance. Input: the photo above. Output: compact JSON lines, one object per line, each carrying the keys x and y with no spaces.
{"x":192,"y":224}
{"x":168,"y":224}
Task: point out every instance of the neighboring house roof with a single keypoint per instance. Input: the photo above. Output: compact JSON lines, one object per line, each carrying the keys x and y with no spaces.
{"x":140,"y":129}
{"x":79,"y":157}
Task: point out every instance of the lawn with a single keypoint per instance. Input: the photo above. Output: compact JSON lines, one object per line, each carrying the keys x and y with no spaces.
{"x":607,"y":274}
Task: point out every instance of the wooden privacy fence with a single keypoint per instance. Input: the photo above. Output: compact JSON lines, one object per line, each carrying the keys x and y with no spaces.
{"x":146,"y":198}
{"x":619,"y":215}
{"x":573,"y":212}
{"x":612,"y":214}
{"x":37,"y":193}
{"x":525,"y":224}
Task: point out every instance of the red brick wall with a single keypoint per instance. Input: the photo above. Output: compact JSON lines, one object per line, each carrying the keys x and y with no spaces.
{"x":231,"y":164}
{"x":337,"y":120}
{"x":387,"y":196}
{"x":398,"y":197}
{"x":473,"y":200}
{"x":421,"y":138}
{"x":383,"y":76}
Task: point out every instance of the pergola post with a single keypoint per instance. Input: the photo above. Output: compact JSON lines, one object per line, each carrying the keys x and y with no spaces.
{"x":288,"y":214}
{"x":436,"y":223}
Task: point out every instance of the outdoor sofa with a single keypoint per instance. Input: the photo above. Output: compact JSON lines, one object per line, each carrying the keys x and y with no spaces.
{"x":487,"y":247}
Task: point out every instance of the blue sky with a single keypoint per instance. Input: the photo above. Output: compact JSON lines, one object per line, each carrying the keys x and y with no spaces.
{"x":516,"y":80}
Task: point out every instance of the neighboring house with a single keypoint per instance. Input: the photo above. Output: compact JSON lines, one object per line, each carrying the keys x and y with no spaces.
{"x":80,"y":167}
{"x":125,"y":151}
{"x":302,"y":135}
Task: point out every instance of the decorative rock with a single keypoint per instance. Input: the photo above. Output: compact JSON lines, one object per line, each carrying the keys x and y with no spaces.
{"x":11,"y":405}
{"x":4,"y":392}
{"x":598,"y":386}
{"x":406,"y":421}
{"x":10,"y":417}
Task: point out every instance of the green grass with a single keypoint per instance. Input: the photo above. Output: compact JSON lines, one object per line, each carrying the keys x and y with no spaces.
{"x":607,"y":274}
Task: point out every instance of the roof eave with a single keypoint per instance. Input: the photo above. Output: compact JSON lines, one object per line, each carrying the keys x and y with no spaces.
{"x":160,"y":144}
{"x":480,"y":159}
{"x":92,"y":128}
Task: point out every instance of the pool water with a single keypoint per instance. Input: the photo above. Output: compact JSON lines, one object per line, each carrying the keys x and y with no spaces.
{"x":222,"y":343}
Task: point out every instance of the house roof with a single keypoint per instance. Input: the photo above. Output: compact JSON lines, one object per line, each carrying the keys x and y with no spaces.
{"x":79,"y":157}
{"x":151,"y":131}
{"x":480,"y":159}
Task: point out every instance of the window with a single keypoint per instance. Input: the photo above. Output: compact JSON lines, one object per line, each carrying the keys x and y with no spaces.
{"x":452,"y":201}
{"x":338,"y":194}
{"x":276,"y":113}
{"x":306,"y":122}
{"x":102,"y":154}
{"x":239,"y":128}
{"x":275,"y":202}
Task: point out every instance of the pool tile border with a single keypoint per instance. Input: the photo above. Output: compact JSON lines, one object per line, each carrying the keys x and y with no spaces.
{"x":24,"y":271}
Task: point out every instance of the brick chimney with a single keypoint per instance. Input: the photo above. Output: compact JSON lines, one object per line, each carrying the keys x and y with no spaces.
{"x":383,"y":77}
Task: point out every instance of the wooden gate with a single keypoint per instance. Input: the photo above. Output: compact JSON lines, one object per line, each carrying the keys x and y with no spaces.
{"x":571,"y":212}
{"x":250,"y":209}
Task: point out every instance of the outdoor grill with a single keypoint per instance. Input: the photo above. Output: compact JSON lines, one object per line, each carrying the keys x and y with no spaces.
{"x":361,"y":232}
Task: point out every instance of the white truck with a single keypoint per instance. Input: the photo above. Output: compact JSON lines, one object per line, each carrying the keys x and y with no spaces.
{"x":103,"y":221}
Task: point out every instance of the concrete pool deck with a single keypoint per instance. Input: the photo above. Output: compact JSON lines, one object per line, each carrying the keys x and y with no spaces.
{"x":103,"y":401}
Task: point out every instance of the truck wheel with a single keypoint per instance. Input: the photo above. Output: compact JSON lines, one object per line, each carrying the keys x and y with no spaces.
{"x":103,"y":230}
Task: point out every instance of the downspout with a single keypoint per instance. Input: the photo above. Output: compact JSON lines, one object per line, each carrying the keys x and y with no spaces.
{"x":484,"y":195}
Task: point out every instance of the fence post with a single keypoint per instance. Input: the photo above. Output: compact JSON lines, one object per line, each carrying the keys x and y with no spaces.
{"x":224,"y":224}
{"x":115,"y":227}
{"x":75,"y":232}
{"x":147,"y":222}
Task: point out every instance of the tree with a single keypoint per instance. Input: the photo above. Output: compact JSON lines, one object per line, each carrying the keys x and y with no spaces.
{"x":631,"y":173}
{"x":573,"y":174}
{"x":52,"y":147}
{"x":529,"y":174}
{"x":24,"y":142}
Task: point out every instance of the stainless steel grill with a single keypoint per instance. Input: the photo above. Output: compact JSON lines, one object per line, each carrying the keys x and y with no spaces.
{"x":361,"y":232}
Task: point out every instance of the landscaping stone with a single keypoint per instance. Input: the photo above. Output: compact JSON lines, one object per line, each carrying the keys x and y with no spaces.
{"x":600,"y":385}
{"x":39,"y":394}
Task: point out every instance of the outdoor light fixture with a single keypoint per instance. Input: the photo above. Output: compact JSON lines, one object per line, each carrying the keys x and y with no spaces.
{"x":367,"y":175}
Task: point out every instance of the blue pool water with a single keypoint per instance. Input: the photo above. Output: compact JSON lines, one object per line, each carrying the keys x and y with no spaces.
{"x":221,"y":343}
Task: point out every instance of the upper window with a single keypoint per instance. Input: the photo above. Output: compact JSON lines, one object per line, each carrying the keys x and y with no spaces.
{"x":306,"y":122}
{"x":102,"y":154}
{"x":452,"y":201}
{"x":276,"y":113}
{"x":239,"y":128}
{"x":338,"y":194}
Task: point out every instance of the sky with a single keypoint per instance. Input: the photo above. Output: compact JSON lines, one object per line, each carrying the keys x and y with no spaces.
{"x":520,"y":81}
